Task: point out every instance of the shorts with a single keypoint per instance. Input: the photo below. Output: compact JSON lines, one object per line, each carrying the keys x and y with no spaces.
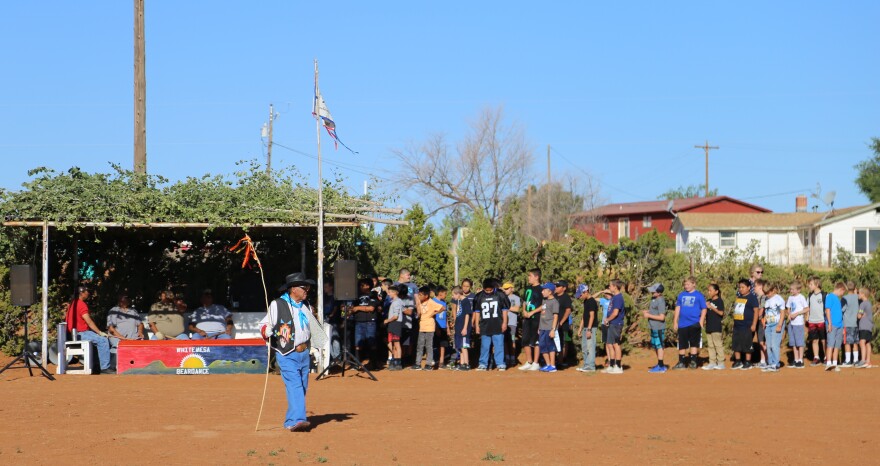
{"x":441,"y":338}
{"x":565,"y":332}
{"x":759,"y":329}
{"x":530,"y":332}
{"x":603,"y":329}
{"x":816,"y":331}
{"x":742,"y":340}
{"x":657,"y":338}
{"x":689,"y":337}
{"x":796,"y":336}
{"x":614,"y":333}
{"x":396,"y":328}
{"x":865,"y":335}
{"x":545,"y":343}
{"x":365,"y":334}
{"x":511,"y":333}
{"x":851,"y":335}
{"x":393,"y":338}
{"x":835,"y":338}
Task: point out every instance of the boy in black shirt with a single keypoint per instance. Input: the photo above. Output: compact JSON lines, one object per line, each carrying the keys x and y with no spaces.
{"x":588,"y":328}
{"x":532,"y":300}
{"x":365,"y":315}
{"x":714,"y":314}
{"x":745,"y":321}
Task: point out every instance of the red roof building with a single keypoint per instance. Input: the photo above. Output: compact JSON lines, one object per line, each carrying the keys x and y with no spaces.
{"x":612,"y":222}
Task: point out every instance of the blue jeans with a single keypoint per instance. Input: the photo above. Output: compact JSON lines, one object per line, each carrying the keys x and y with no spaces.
{"x":212,"y":336}
{"x":774,"y":339}
{"x":295,"y":373}
{"x":497,"y":341}
{"x":102,"y":344}
{"x":588,"y":347}
{"x":365,"y":335}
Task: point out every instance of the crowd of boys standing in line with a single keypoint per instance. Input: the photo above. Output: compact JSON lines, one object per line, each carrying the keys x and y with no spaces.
{"x":496,"y":323}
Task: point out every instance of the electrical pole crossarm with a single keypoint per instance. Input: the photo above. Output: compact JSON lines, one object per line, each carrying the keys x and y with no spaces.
{"x":706,"y":147}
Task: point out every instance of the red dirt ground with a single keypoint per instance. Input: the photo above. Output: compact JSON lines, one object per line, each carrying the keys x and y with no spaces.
{"x":691,"y":417}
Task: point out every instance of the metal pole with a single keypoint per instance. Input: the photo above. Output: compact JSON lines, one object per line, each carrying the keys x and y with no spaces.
{"x":44,"y":355}
{"x":320,"y":215}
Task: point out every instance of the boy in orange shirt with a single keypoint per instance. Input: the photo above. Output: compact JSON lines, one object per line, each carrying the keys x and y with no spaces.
{"x":427,"y":309}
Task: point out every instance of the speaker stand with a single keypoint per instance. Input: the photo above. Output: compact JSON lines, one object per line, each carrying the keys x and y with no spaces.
{"x":27,"y":358}
{"x":345,"y":358}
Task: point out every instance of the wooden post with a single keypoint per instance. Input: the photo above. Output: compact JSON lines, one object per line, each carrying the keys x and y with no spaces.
{"x":140,"y":91}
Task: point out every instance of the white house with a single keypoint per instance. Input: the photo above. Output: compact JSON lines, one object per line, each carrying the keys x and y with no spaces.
{"x":785,"y":239}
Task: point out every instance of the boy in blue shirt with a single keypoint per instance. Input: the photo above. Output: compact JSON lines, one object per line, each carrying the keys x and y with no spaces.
{"x":614,"y":322}
{"x":441,"y":338}
{"x":690,"y":315}
{"x":834,"y":315}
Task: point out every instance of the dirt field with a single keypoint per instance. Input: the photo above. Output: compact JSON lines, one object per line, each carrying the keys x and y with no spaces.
{"x":691,"y":417}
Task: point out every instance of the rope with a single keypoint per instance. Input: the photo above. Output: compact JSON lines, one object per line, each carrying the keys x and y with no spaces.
{"x":250,"y":251}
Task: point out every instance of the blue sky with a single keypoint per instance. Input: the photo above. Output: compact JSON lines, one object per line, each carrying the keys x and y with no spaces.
{"x":624,"y":91}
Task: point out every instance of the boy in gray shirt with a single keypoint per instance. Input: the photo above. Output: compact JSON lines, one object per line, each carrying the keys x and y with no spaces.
{"x":866,"y":327}
{"x":394,"y":323}
{"x":656,"y":315}
{"x":547,"y":327}
{"x":850,"y":302}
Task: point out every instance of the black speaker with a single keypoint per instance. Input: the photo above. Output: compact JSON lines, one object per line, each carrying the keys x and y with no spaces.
{"x":345,"y":287}
{"x":22,"y":285}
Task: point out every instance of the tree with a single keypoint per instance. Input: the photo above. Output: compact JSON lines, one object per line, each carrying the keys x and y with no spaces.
{"x":416,"y":246}
{"x":869,"y":173}
{"x":688,"y":192}
{"x":478,"y":174}
{"x":567,"y":197}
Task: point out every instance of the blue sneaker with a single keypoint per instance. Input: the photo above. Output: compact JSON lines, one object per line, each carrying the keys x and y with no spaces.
{"x":544,"y":369}
{"x":550,"y":369}
{"x":657,"y":369}
{"x":653,"y":368}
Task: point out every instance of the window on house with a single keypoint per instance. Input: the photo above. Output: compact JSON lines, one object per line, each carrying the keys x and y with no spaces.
{"x":605,"y":225}
{"x":623,"y":228}
{"x":727,"y":239}
{"x":646,"y":221}
{"x":866,"y":240}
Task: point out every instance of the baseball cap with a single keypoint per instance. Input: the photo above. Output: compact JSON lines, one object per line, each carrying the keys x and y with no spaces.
{"x":581,"y":289}
{"x":656,"y":288}
{"x":562,"y":283}
{"x":506,"y":285}
{"x":549,"y":286}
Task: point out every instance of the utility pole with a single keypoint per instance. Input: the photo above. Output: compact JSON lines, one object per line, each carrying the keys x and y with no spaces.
{"x":707,"y":148}
{"x":269,"y":146}
{"x":528,"y":223}
{"x":140,"y":91}
{"x":549,"y":210}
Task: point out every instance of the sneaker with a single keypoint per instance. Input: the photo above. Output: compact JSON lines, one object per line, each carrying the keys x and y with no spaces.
{"x":761,"y":365}
{"x":815,"y":363}
{"x":657,"y":369}
{"x":692,"y":365}
{"x":535,"y":367}
{"x":828,"y":367}
{"x":464,"y":367}
{"x":550,"y":369}
{"x":836,"y":369}
{"x":481,"y":368}
{"x":525,"y":366}
{"x":582,"y":369}
{"x":708,"y":367}
{"x":860,"y":364}
{"x":799,"y":365}
{"x":544,"y":369}
{"x":719,"y":367}
{"x":415,"y":368}
{"x":616,"y":370}
{"x":679,"y":366}
{"x":747,"y":366}
{"x":301,"y":426}
{"x":737,"y":366}
{"x":502,"y":368}
{"x":846,"y":364}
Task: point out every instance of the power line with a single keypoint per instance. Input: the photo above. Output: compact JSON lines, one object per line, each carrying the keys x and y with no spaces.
{"x":600,"y":180}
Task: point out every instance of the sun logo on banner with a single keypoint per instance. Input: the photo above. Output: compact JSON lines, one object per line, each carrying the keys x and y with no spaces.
{"x":192,"y":361}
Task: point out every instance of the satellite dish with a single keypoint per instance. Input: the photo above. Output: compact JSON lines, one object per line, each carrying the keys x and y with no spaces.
{"x":669,"y":205}
{"x":829,"y":197}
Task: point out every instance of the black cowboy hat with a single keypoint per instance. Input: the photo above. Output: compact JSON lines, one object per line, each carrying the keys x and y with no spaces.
{"x":296,"y":279}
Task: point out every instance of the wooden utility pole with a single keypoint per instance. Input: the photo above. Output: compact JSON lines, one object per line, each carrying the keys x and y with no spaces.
{"x":549,"y":208}
{"x":528,"y":224}
{"x":707,"y":148}
{"x":140,"y":91}
{"x":269,"y":146}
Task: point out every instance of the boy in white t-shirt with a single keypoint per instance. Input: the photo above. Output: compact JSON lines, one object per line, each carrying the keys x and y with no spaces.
{"x":796,"y":307}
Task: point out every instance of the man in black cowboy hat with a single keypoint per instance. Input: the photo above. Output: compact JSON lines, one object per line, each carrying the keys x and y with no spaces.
{"x":287,"y":327}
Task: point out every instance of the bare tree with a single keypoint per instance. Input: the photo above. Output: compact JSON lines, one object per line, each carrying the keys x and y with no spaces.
{"x":487,"y":167}
{"x":569,"y":196}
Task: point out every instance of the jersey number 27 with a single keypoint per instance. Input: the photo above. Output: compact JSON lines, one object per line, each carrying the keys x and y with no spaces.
{"x":490,"y":309}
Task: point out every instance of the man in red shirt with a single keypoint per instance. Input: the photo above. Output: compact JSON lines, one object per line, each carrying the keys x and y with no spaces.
{"x":78,"y":319}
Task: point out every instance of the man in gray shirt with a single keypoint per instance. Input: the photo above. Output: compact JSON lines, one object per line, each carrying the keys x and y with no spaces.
{"x":850,"y":302}
{"x":866,"y":327}
{"x":123,"y":322}
{"x":547,"y":327}
{"x":656,"y":315}
{"x":816,"y":318}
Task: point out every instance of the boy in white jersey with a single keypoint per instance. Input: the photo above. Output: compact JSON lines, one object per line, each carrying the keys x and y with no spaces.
{"x":796,"y":307}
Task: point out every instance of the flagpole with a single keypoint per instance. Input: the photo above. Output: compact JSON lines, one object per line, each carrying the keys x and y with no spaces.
{"x":320,"y":213}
